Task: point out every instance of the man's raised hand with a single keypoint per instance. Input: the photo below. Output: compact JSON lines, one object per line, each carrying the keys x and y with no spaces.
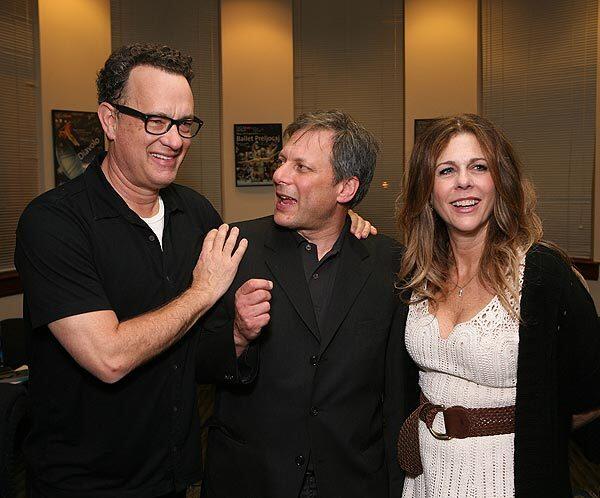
{"x":218,"y":262}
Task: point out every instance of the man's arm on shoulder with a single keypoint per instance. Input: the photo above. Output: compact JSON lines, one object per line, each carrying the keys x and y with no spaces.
{"x":55,"y":262}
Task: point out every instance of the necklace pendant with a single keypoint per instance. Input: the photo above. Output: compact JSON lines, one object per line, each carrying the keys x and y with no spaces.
{"x":460,"y":292}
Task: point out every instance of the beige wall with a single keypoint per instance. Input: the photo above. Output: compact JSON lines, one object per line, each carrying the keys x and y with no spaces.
{"x":440,"y":60}
{"x":257,"y":62}
{"x":441,"y":75}
{"x":257,"y":80}
{"x":74,"y":43}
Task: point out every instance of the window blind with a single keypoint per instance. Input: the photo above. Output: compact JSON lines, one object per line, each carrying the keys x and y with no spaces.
{"x":192,"y":27}
{"x":19,"y":127}
{"x":539,"y":86}
{"x":348,"y":54}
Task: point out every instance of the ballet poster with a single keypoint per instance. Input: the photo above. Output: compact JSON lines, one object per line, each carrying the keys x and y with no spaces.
{"x":78,"y":138}
{"x":256,"y":149}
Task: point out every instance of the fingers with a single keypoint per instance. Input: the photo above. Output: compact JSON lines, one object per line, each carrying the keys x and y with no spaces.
{"x":249,"y":327}
{"x":209,"y":240}
{"x":218,"y":261}
{"x":258,"y":296}
{"x":366,"y":230}
{"x":252,"y":293}
{"x":360,"y":227}
{"x":240,"y":251}
{"x":215,"y":238}
{"x":255,"y":284}
{"x":252,"y":307}
{"x":259,"y":309}
{"x":220,"y":236}
{"x":354,"y":220}
{"x":225,"y":240}
{"x":259,"y":322}
{"x":231,"y":240}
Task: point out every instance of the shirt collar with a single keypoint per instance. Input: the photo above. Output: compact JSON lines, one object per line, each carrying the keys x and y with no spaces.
{"x":106,"y":203}
{"x":337,"y":246}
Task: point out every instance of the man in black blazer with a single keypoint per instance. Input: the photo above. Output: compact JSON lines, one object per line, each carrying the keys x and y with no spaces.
{"x":321,"y":416}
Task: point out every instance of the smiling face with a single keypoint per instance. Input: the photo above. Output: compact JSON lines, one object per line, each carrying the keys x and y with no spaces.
{"x":150,"y":161}
{"x":306,"y":195}
{"x":463,"y":188}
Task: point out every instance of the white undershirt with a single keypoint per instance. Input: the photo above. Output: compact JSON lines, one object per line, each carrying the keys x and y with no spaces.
{"x":157,"y":222}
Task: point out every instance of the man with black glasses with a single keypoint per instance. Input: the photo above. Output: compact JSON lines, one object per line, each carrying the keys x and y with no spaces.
{"x":117,"y":266}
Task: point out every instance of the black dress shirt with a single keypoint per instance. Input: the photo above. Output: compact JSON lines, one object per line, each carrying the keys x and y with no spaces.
{"x":320,"y":273}
{"x":81,"y":249}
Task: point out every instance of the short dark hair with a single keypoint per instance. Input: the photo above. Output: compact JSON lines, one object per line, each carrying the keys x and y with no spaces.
{"x":354,"y":149}
{"x":113,"y":77}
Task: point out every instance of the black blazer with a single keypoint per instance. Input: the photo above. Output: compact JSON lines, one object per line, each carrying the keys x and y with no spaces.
{"x":323,"y":394}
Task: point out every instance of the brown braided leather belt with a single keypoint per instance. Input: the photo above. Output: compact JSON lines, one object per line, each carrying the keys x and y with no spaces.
{"x":460,"y":423}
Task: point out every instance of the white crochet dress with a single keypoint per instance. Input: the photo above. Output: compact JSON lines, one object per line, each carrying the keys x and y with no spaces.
{"x":475,"y":367}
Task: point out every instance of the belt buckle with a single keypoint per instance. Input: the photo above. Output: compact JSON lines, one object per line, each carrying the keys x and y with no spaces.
{"x":456,"y":421}
{"x":439,"y":435}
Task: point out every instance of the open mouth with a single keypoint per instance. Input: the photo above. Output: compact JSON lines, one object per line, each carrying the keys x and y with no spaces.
{"x":461,"y":203}
{"x":162,"y":157}
{"x":285,"y":200}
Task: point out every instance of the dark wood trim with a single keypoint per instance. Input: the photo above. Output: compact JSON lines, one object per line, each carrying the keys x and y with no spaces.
{"x":10,"y":283}
{"x":587,"y":268}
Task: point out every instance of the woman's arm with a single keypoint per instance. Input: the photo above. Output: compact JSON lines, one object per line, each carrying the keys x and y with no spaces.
{"x":582,"y":348}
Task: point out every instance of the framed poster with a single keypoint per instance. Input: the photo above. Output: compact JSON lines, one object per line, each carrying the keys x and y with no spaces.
{"x":256,"y":150}
{"x":77,"y":138}
{"x":421,"y":125}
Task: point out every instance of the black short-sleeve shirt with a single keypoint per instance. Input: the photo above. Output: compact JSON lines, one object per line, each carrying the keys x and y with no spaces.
{"x":81,"y":249}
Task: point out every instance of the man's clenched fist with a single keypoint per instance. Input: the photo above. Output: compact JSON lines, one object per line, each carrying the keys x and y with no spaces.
{"x":251,"y":311}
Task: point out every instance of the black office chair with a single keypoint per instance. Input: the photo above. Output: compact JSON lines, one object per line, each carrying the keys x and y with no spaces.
{"x":14,"y":422}
{"x":13,"y":341}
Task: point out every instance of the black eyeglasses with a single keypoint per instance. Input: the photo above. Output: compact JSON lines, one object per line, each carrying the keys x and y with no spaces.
{"x":159,"y":125}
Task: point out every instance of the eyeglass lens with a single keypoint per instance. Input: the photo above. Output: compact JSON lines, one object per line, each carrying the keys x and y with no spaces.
{"x":157,"y":126}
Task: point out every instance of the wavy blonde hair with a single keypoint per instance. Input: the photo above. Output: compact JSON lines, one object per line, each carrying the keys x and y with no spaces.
{"x":513,"y":226}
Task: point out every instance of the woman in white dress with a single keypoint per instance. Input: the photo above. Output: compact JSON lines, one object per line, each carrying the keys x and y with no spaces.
{"x":499,"y":326}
